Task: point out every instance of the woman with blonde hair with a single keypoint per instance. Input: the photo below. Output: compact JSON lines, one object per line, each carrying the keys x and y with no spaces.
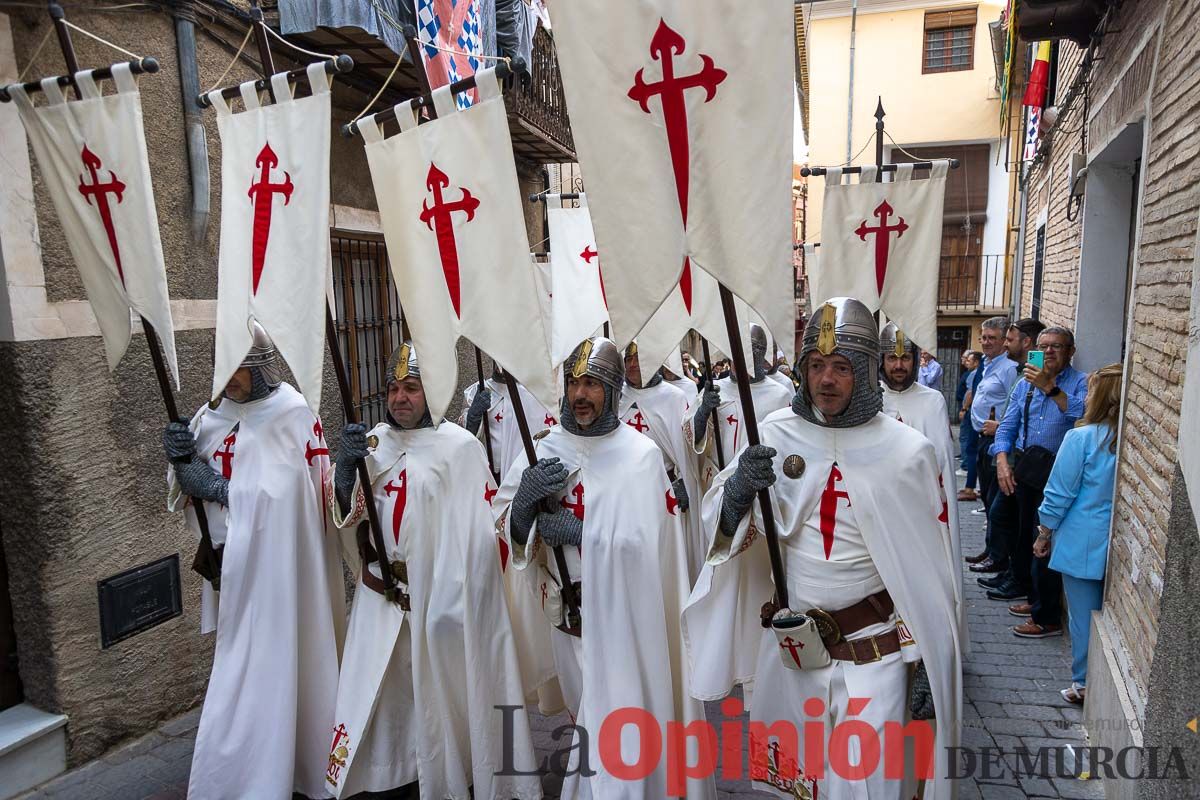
{"x":1076,"y":512}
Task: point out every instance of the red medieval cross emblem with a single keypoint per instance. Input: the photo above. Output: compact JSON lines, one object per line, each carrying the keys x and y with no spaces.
{"x":99,"y":190}
{"x":575,"y":508}
{"x":400,"y":489}
{"x":829,"y":504}
{"x":437,"y":218}
{"x":882,"y":239}
{"x":672,"y":503}
{"x":262,"y":193}
{"x":793,"y":647}
{"x":311,"y":452}
{"x":499,"y":416}
{"x":489,"y":492}
{"x":664,"y":46}
{"x":226,"y":456}
{"x":637,"y":423}
{"x":549,"y":421}
{"x":587,"y":255}
{"x":339,"y":733}
{"x":736,"y":424}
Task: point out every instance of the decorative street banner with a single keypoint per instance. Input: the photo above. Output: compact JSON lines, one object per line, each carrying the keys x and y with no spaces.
{"x":881,"y":243}
{"x":274,"y":258}
{"x":579,"y":307}
{"x":451,"y":34}
{"x":92,"y":155}
{"x":449,"y":203}
{"x":700,"y":175}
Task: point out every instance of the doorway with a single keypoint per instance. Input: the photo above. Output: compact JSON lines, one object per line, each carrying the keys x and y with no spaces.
{"x":11,"y":692}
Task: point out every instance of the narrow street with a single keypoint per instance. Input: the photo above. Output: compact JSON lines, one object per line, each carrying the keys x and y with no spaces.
{"x":1011,"y":700}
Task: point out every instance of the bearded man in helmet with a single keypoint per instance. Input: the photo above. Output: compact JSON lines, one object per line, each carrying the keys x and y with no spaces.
{"x":435,"y":661}
{"x":923,"y":409}
{"x":870,"y":586}
{"x":599,"y":490}
{"x":257,"y":457}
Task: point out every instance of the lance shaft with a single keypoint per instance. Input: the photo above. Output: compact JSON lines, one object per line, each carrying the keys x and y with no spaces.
{"x":487,"y":430}
{"x":560,"y":559}
{"x":751,"y":422}
{"x":335,"y":353}
{"x":207,"y":551}
{"x":716,"y":418}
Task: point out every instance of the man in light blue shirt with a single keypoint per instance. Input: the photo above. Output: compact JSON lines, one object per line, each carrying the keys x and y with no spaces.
{"x":930,"y":373}
{"x":1046,"y":404}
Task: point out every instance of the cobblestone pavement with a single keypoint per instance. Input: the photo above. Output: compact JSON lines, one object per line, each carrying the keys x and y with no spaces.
{"x":1011,"y":700}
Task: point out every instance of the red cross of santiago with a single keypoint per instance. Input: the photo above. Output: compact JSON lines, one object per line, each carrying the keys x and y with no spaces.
{"x":575,"y":508}
{"x":262,"y":194}
{"x":311,"y":452}
{"x":401,"y":491}
{"x":437,"y":218}
{"x":100,"y":191}
{"x":587,"y":255}
{"x":882,"y":239}
{"x":664,"y":46}
{"x":792,"y":646}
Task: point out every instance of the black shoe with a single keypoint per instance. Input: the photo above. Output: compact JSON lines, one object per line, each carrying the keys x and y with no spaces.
{"x":989,"y":565}
{"x":977,"y":559}
{"x":1007,"y":591}
{"x":995,"y":581}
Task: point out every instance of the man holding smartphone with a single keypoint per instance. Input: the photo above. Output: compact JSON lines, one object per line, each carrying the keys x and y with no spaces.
{"x":1047,"y":402}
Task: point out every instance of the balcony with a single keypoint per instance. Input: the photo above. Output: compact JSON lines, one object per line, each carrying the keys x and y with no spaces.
{"x":972,"y":284}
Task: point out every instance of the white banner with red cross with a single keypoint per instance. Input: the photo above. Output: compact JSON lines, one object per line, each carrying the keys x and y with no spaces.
{"x":579,"y":306}
{"x":699,"y":177}
{"x":274,"y":256}
{"x":449,"y":204}
{"x":92,"y":156}
{"x":881,"y":243}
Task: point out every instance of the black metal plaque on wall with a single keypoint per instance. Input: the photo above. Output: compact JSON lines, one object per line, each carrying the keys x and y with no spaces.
{"x":138,"y":599}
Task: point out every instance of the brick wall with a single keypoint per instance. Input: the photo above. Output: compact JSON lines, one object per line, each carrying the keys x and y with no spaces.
{"x":1171,"y":196}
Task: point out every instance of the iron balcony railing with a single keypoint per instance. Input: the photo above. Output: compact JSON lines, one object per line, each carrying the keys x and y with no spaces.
{"x":972,"y":283}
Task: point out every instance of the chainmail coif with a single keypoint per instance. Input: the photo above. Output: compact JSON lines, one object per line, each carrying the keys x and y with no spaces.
{"x":866,"y":400}
{"x":607,"y":422}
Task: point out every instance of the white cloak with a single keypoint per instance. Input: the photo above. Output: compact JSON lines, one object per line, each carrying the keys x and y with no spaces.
{"x":634,"y":585}
{"x":662,"y":409}
{"x":768,"y":395}
{"x":924,"y":409}
{"x":886,"y":467}
{"x":418,"y":701}
{"x":502,"y":421}
{"x":269,"y":707}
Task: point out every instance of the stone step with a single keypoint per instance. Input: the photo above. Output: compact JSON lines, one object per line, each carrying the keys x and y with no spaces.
{"x":33,"y":748}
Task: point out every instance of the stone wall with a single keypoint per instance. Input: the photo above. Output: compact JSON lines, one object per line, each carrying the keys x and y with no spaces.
{"x":1160,"y":294}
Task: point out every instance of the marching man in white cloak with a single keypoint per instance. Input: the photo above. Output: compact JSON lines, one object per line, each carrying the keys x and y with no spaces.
{"x":654,"y":408}
{"x":768,"y":395}
{"x":259,"y":458}
{"x":599,"y":491}
{"x":925,"y":410}
{"x":426,"y":671}
{"x":494,"y":404}
{"x":870,"y":585}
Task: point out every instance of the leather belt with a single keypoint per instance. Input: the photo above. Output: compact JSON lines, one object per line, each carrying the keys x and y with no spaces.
{"x":834,"y":626}
{"x":868,"y":650}
{"x":399,"y":572}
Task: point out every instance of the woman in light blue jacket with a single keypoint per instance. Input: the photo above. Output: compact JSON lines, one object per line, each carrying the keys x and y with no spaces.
{"x":1076,"y":513}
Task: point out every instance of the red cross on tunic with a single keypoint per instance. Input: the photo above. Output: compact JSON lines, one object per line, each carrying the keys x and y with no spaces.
{"x":575,"y":508}
{"x":672,"y":503}
{"x":489,"y":492}
{"x":793,"y":647}
{"x":829,"y":505}
{"x":499,"y":416}
{"x":311,"y":452}
{"x":400,"y":489}
{"x":736,"y":424}
{"x":637,"y":422}
{"x":226,"y":456}
{"x":549,"y":421}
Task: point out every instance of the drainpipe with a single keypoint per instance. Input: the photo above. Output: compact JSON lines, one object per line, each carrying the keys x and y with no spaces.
{"x":850,"y":93}
{"x":1019,"y":257}
{"x":197,"y":144}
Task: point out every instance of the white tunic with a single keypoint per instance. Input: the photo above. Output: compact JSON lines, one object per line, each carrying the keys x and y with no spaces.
{"x":657,"y":412}
{"x":924,"y":409}
{"x":634,"y":585}
{"x":264,"y":730}
{"x":768,"y":396}
{"x":883,"y":467}
{"x":502,"y":421}
{"x":419,"y":690}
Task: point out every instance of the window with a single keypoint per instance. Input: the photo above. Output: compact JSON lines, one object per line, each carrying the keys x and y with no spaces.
{"x":949,"y":41}
{"x":1039,"y":263}
{"x":368,"y":319}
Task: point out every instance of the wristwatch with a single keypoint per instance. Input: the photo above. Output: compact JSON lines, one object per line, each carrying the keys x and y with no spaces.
{"x":1055,"y":392}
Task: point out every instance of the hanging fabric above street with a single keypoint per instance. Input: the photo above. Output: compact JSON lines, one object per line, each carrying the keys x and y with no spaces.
{"x":448,"y":200}
{"x":274,"y":259}
{"x":687,"y":184}
{"x":883,"y":243}
{"x":579,"y":306}
{"x":92,"y":156}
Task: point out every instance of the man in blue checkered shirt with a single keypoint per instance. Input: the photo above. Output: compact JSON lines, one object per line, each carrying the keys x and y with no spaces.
{"x":1046,"y":403}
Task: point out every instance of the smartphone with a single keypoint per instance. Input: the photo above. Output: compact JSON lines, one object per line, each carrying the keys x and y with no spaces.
{"x":1037,"y":358}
